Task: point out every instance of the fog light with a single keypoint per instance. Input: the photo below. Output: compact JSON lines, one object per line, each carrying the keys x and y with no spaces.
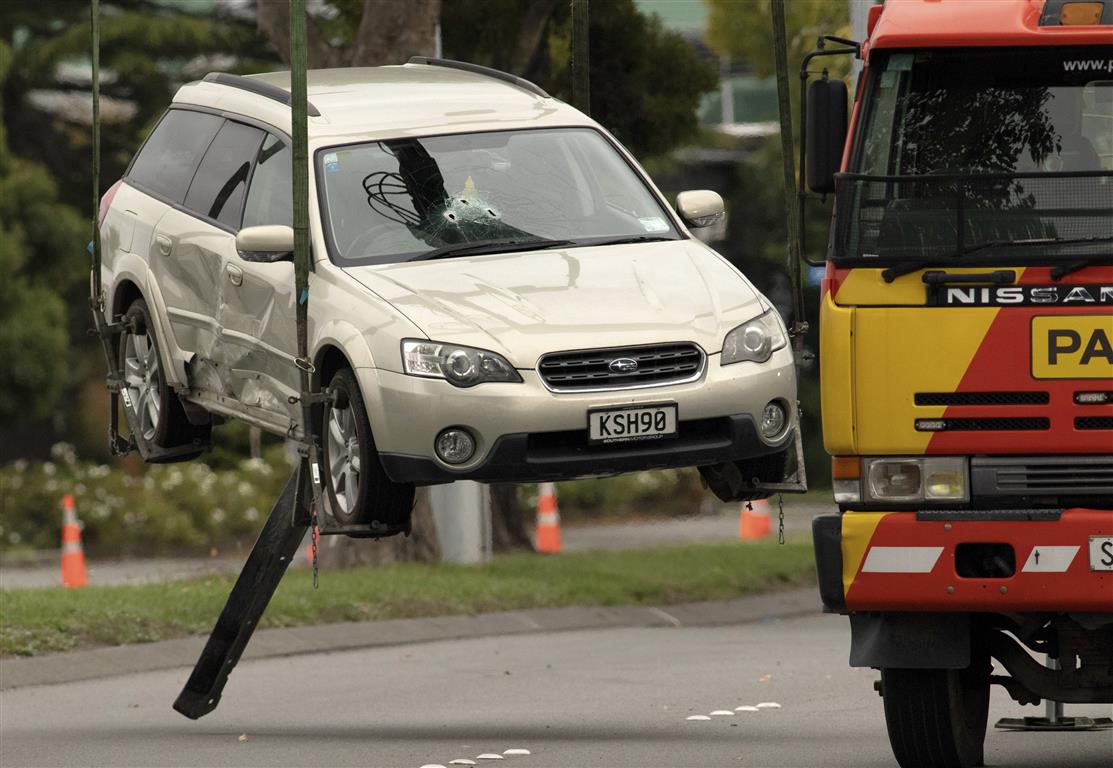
{"x":455,"y":446}
{"x":772,"y":420}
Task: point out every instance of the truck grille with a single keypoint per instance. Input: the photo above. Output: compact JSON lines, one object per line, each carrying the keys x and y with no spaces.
{"x":1024,"y":476}
{"x":591,"y":369}
{"x":1093,"y":422}
{"x":982,"y":398}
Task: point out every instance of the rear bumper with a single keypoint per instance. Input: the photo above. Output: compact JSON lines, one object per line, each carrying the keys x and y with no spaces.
{"x":890,"y":561}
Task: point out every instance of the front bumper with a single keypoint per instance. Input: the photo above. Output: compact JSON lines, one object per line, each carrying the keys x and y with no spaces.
{"x":524,"y":432}
{"x":892,"y":561}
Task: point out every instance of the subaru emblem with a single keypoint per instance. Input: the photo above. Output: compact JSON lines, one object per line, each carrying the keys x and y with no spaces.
{"x":623,"y":365}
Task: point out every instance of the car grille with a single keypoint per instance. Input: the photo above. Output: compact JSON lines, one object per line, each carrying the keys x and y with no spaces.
{"x":1042,"y":475}
{"x":982,"y":398}
{"x":590,"y":369}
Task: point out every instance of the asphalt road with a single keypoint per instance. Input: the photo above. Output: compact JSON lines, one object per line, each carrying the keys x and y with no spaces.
{"x":618,"y":697}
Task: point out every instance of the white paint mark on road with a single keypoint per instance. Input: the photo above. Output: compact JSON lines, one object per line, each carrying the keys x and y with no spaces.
{"x":723,"y":713}
{"x":666,"y":616}
{"x":697,"y":717}
{"x":488,"y":756}
{"x":461,"y":761}
{"x":746,"y":709}
{"x":768,"y":705}
{"x":432,"y":765}
{"x":515,"y":752}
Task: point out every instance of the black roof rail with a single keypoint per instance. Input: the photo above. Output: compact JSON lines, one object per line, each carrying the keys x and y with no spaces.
{"x":257,"y":86}
{"x":478,"y":69}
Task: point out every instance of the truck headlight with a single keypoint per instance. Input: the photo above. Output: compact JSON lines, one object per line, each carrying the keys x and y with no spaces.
{"x":756,"y":340}
{"x":915,"y":479}
{"x":460,"y":366}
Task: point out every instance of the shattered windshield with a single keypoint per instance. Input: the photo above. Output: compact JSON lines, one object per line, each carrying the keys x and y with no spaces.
{"x":413,"y":198}
{"x":982,"y":154}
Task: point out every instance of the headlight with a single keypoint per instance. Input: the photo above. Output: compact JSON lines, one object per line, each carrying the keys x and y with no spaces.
{"x":756,"y":340}
{"x":933,"y":479}
{"x":462,"y":366}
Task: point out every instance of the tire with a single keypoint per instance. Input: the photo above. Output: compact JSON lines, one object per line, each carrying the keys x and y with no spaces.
{"x":728,"y":481}
{"x":937,"y":718}
{"x":350,"y":461}
{"x":148,"y":397}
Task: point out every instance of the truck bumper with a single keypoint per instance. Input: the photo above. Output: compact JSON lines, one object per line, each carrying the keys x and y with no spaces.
{"x":892,"y":561}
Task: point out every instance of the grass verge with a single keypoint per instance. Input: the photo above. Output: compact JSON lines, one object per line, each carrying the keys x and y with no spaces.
{"x":39,"y":621}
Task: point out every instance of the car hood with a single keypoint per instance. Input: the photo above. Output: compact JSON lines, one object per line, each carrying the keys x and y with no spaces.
{"x":524,"y":305}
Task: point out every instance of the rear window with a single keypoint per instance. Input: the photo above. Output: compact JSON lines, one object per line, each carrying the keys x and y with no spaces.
{"x":166,"y":163}
{"x":218,"y":186}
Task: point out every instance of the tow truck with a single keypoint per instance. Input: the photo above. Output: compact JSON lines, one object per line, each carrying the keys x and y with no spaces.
{"x":966,"y":357}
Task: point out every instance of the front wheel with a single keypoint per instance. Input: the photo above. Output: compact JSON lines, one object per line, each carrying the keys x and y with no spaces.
{"x":359,"y":491}
{"x":937,"y":718}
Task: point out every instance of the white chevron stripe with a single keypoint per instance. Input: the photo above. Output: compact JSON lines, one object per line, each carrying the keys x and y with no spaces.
{"x":901,"y":559}
{"x":1049,"y":559}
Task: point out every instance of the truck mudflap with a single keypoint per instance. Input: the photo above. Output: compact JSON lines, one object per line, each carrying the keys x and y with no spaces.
{"x":892,"y":561}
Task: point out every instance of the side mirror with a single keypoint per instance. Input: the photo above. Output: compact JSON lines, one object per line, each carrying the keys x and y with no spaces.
{"x":266,"y":244}
{"x":826,"y":133}
{"x":699,"y":207}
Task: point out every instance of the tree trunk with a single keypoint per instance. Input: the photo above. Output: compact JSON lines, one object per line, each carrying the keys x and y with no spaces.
{"x":509,"y":516}
{"x":389,"y":32}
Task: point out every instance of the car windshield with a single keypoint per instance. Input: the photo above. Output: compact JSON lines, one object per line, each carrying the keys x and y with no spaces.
{"x":982,"y":151}
{"x":413,"y":198}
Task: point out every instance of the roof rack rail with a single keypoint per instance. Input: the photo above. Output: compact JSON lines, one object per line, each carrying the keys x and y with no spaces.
{"x":258,"y":87}
{"x":478,"y":69}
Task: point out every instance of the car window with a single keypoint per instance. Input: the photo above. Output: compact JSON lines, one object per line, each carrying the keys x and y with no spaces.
{"x":168,"y":159}
{"x":269,"y":199}
{"x":218,"y":187}
{"x":398,"y":199}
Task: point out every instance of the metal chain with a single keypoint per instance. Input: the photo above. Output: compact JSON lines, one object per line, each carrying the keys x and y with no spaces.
{"x":781,"y":517}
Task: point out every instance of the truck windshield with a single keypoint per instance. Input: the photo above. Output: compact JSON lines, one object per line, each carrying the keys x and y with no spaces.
{"x":983,"y":151}
{"x":466,"y":194}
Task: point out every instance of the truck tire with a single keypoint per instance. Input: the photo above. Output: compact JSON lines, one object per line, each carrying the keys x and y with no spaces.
{"x":937,"y":718}
{"x":359,"y":491}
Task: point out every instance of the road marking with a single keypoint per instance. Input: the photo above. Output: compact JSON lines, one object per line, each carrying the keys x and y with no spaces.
{"x":768,"y":705}
{"x":697,"y":717}
{"x":461,"y":761}
{"x":513,"y":752}
{"x":666,"y":616}
{"x":1049,"y":559}
{"x":901,"y":559}
{"x":488,"y":756}
{"x":746,"y":709}
{"x":722,"y":713}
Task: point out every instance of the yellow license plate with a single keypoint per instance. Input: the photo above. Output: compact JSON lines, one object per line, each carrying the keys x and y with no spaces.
{"x":1072,"y":347}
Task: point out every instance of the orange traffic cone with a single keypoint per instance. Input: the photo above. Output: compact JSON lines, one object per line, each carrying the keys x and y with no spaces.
{"x":548,"y":519}
{"x":754,"y":522}
{"x":73,"y":556}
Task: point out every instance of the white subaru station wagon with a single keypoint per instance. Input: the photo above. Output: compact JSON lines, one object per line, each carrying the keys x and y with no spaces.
{"x":499,"y":292}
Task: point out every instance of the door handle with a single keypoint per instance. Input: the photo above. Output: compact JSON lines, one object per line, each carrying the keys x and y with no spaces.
{"x":235,"y":274}
{"x":165,"y":244}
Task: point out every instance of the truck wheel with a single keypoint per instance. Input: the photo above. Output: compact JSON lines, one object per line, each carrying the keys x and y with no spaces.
{"x":359,"y":491}
{"x":156,"y":408}
{"x":937,"y":718}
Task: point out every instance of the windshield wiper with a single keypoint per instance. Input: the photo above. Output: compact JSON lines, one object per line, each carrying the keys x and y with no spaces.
{"x":897,"y":270}
{"x":631,"y":239}
{"x":480,"y":247}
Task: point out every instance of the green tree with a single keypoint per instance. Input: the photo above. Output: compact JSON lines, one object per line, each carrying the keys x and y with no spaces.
{"x":38,"y":245}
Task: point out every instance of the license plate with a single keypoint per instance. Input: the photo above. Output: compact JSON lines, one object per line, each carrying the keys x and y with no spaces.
{"x":1101,"y":553}
{"x":640,"y":422}
{"x":1072,"y":347}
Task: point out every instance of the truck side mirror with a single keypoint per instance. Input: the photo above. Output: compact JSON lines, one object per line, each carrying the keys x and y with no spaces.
{"x":826,"y":133}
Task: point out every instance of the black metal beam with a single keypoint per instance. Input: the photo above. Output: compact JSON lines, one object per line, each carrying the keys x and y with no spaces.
{"x":278,"y":541}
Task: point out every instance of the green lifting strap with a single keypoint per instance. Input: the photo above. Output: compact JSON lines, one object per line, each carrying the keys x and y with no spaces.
{"x":94,"y":283}
{"x":299,"y":130}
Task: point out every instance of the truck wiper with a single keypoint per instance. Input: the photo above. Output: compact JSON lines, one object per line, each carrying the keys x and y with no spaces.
{"x":904,"y":268}
{"x":1062,"y":270}
{"x":480,"y":247}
